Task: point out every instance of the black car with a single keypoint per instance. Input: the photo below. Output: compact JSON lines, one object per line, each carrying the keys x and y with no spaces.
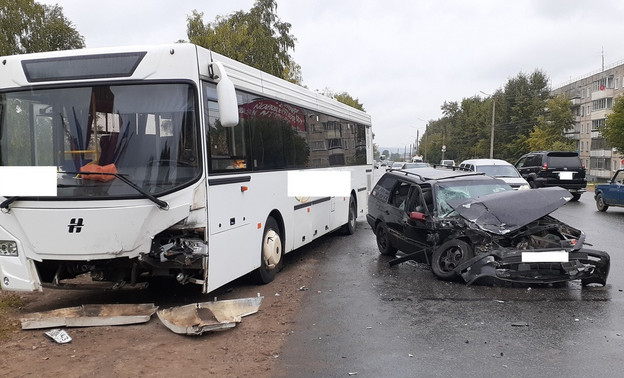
{"x":554,"y":168}
{"x":475,"y":227}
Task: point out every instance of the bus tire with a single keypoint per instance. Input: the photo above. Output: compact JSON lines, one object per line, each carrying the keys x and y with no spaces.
{"x":271,"y":252}
{"x":349,"y":227}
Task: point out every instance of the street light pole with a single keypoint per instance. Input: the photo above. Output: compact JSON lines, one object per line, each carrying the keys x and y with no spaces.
{"x":492,"y":132}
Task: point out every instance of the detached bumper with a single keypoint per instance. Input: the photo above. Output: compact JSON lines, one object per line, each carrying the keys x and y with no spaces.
{"x":590,"y":266}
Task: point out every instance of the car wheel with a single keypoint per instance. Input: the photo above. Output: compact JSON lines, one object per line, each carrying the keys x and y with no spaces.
{"x":271,"y":252}
{"x":449,"y":256}
{"x":383,"y":240}
{"x":600,"y":203}
{"x":575,"y":197}
{"x":349,"y":227}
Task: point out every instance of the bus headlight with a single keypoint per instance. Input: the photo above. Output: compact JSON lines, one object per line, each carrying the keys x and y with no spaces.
{"x":8,"y":248}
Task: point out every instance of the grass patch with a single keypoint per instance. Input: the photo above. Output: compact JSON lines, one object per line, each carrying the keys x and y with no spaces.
{"x":9,"y":304}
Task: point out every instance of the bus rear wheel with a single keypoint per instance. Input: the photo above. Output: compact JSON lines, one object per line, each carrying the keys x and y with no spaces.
{"x":271,"y":252}
{"x":349,"y":227}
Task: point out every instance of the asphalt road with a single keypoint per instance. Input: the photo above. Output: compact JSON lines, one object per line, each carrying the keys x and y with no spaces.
{"x":363,"y":318}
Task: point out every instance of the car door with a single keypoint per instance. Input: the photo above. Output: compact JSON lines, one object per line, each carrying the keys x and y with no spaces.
{"x":395,"y":213}
{"x":613,"y":193}
{"x":417,"y":222}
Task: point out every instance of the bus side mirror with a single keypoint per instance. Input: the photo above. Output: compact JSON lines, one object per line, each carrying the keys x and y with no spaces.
{"x":226,"y":96}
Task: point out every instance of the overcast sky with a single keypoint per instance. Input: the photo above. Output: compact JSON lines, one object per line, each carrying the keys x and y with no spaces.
{"x":401,"y":59}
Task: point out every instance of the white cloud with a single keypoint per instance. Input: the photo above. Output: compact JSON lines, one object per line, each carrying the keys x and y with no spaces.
{"x":401,"y":59}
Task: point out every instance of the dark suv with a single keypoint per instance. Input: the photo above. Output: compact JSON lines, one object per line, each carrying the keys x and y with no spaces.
{"x":469,"y":225}
{"x":554,"y":168}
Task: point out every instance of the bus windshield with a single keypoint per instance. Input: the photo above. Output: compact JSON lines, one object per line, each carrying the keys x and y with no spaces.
{"x":147,"y":133}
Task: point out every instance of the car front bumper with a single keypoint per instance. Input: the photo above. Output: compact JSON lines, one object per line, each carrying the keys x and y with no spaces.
{"x":590,"y":266}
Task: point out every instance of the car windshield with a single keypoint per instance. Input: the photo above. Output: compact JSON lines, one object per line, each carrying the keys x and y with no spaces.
{"x":460,"y":190}
{"x":498,"y":170}
{"x":146,"y":133}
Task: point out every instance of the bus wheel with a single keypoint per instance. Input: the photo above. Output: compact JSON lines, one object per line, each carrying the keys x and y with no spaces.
{"x":349,"y":227}
{"x":271,"y":253}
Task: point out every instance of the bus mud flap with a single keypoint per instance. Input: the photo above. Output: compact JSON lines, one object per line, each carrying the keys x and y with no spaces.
{"x":197,"y":318}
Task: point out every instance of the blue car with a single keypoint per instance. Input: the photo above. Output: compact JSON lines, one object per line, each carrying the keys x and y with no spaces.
{"x":611,"y":194}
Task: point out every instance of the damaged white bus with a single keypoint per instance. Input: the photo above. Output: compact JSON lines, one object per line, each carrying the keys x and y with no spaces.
{"x":166,"y":161}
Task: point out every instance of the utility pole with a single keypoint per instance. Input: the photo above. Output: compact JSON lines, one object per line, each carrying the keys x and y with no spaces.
{"x":492,"y":132}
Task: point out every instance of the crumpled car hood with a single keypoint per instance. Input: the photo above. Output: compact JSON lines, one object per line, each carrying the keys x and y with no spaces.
{"x":505,"y":212}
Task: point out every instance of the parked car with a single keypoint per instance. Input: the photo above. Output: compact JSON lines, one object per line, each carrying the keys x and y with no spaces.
{"x":611,"y":193}
{"x":498,"y":169}
{"x":415,"y":165}
{"x":395,"y":165}
{"x":465,"y":225}
{"x":450,"y":163}
{"x":554,"y":168}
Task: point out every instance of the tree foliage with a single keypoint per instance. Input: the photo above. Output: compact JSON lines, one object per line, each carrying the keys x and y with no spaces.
{"x":257,"y":38}
{"x":548,"y":133}
{"x":27,"y":26}
{"x":522,"y":114}
{"x":613,"y":130}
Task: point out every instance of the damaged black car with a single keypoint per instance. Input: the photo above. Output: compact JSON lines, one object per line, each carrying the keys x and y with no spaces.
{"x":475,"y":228}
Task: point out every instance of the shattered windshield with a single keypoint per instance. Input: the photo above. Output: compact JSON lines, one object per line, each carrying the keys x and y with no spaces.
{"x":146,"y":133}
{"x":461,"y":190}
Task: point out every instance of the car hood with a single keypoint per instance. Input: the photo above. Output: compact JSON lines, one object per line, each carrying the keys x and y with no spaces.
{"x":505,"y":212}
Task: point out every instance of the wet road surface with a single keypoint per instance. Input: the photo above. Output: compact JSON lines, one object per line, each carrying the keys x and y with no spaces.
{"x":363,"y":318}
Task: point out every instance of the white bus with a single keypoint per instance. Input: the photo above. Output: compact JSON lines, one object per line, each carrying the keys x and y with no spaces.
{"x":167,"y":161}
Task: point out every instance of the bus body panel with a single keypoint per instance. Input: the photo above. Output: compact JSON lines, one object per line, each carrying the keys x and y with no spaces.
{"x":228,"y":217}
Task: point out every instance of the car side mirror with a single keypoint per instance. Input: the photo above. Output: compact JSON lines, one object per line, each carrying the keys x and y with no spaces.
{"x":415,"y":215}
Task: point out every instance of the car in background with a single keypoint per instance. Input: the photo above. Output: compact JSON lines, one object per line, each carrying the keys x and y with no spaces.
{"x":476,"y":228}
{"x":554,"y":168}
{"x":498,"y":169}
{"x":395,"y":165}
{"x":611,"y":193}
{"x":415,"y":165}
{"x":449,"y":163}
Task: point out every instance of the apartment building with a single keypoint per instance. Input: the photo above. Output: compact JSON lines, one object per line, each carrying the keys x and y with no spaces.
{"x":592,"y":98}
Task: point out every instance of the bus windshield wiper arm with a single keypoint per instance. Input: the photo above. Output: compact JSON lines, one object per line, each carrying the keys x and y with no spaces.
{"x":8,"y":201}
{"x":161,"y":204}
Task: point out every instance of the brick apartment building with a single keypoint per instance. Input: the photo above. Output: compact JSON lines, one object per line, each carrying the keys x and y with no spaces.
{"x":592,"y":98}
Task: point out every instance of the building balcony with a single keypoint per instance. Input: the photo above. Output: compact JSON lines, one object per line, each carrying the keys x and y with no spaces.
{"x":575,"y":101}
{"x":595,"y":134}
{"x":599,"y":114}
{"x":602,"y":153}
{"x":601,"y":173}
{"x":607,"y":92}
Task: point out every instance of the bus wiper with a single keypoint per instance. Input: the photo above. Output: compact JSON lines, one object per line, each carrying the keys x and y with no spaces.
{"x":161,"y":204}
{"x":5,"y":204}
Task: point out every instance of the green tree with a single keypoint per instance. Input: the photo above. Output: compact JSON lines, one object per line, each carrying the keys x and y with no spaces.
{"x":548,"y":133}
{"x":613,"y":130}
{"x":257,"y":38}
{"x":27,"y":26}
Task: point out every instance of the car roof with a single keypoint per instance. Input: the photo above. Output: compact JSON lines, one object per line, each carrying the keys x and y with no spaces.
{"x":486,"y":162}
{"x":433,"y":174}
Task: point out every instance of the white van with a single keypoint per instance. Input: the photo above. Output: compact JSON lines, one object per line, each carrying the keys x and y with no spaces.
{"x":499,"y":169}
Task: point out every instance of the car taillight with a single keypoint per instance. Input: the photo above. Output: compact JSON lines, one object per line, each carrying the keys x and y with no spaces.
{"x":545,"y":166}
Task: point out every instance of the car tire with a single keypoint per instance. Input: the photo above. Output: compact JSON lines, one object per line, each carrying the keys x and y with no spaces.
{"x":575,"y":197}
{"x":383,"y":240}
{"x":600,"y":203}
{"x":449,"y":256}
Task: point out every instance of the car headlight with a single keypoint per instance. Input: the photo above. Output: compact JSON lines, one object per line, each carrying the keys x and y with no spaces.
{"x":8,"y":248}
{"x":524,"y":187}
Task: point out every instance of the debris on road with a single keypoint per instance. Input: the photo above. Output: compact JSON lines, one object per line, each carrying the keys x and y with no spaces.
{"x":197,"y":318}
{"x":90,"y":315}
{"x":58,"y":335}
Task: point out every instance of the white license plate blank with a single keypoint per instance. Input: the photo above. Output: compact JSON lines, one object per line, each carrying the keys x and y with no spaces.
{"x":554,"y":256}
{"x":566,"y":175}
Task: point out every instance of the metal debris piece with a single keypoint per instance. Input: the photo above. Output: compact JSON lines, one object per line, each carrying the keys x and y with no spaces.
{"x":59,"y":335}
{"x":90,"y":315}
{"x":197,"y":318}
